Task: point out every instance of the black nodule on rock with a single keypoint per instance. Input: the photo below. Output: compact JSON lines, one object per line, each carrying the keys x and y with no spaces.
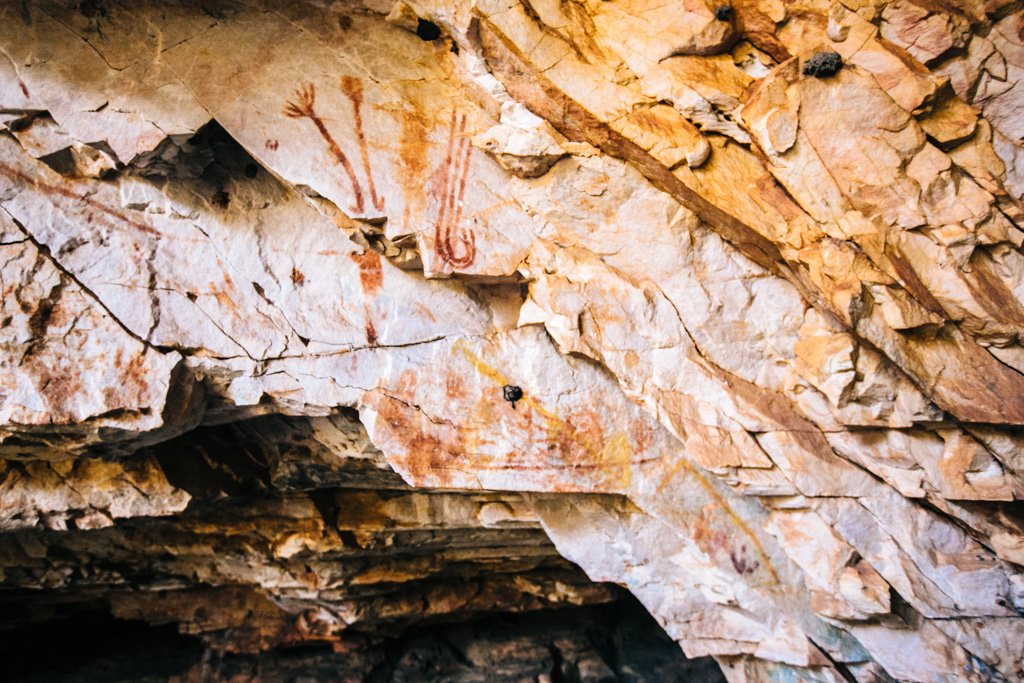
{"x":723,"y":13}
{"x":427,"y":30}
{"x":511,"y":393}
{"x":823,"y":64}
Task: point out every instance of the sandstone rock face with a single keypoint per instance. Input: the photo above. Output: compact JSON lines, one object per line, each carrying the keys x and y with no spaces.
{"x":325,"y":321}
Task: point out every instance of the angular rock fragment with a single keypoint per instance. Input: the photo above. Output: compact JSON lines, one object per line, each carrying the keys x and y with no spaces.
{"x":823,"y":64}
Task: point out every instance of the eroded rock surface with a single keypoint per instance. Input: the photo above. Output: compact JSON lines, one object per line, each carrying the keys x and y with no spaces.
{"x":752,"y":272}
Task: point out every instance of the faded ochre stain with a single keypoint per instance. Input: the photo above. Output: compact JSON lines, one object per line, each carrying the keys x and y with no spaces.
{"x":614,"y":456}
{"x":723,"y":504}
{"x":618,"y":455}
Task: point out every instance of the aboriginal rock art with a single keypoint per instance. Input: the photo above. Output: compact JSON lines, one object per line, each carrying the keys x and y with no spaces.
{"x":370,"y":278}
{"x":304,"y":108}
{"x":16,"y":176}
{"x":455,"y":244}
{"x":744,"y":340}
{"x":353,"y":89}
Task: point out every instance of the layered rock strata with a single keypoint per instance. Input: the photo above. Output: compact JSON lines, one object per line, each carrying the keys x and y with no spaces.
{"x":321,"y":319}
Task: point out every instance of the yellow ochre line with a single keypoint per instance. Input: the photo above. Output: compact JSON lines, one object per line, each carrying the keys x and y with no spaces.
{"x":614,"y":448}
{"x":722,"y":503}
{"x":615,"y":452}
{"x":496,"y":375}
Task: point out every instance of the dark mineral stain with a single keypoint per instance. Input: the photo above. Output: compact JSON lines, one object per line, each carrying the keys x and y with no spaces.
{"x":39,"y":322}
{"x":91,"y":9}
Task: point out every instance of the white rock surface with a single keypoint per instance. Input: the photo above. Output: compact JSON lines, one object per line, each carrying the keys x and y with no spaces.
{"x":775,"y":320}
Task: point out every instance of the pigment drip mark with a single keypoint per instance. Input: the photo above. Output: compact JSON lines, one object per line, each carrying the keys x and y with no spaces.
{"x":456,"y":245}
{"x":353,"y":89}
{"x":304,"y":109}
{"x":371,"y":276}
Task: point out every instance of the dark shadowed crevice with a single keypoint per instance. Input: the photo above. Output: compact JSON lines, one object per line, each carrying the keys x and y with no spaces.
{"x":293,"y":560}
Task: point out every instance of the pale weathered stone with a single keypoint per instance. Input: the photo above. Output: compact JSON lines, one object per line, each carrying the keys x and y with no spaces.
{"x":409,"y":285}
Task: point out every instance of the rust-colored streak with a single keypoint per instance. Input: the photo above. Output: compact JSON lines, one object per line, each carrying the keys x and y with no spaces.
{"x":991,"y":292}
{"x":412,"y":155}
{"x":353,"y":89}
{"x":974,"y":386}
{"x":425,"y":452}
{"x":455,"y":244}
{"x":304,"y":109}
{"x":16,"y":175}
{"x":759,"y":29}
{"x":912,"y":283}
{"x":371,"y":274}
{"x":454,"y":387}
